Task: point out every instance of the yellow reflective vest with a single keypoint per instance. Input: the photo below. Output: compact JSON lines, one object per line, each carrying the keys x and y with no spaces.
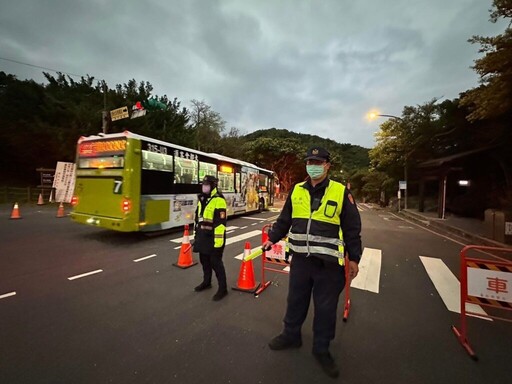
{"x":211,"y":218}
{"x":318,"y":233}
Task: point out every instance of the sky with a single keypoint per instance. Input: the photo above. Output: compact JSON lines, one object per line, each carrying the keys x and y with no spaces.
{"x":314,"y":67}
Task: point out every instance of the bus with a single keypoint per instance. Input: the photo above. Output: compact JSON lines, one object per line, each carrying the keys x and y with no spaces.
{"x":127,"y":182}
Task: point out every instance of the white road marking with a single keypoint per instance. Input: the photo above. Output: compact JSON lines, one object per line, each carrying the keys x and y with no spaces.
{"x":273,"y":218}
{"x":405,"y":227}
{"x":243,"y":236}
{"x":7,"y":295}
{"x":85,"y":274}
{"x":179,"y":240}
{"x":369,"y":271}
{"x":253,"y":218}
{"x":144,"y":258}
{"x":255,"y":223}
{"x":243,"y":227}
{"x":448,"y":286}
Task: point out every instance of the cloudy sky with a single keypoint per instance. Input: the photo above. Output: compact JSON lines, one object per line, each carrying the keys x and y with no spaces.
{"x":312,"y":66}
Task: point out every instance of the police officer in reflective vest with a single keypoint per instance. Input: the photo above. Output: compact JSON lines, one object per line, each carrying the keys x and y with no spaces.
{"x":210,"y":235}
{"x":323,"y":223}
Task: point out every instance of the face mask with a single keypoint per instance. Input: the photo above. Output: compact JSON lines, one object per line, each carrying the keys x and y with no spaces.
{"x":315,"y":171}
{"x":206,"y":189}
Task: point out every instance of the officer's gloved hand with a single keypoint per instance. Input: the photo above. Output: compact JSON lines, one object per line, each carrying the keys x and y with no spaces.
{"x":267,"y":245}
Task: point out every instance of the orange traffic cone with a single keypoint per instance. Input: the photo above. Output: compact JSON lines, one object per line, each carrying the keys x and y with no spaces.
{"x":185,"y":257}
{"x":60,"y":211}
{"x":15,"y":212}
{"x":40,"y":200}
{"x":246,"y":282}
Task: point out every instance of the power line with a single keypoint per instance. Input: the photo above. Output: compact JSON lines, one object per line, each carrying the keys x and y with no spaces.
{"x":38,"y":66}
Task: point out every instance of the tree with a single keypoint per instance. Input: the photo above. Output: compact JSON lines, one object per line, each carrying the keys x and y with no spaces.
{"x":208,"y":126}
{"x":283,"y":156}
{"x":493,"y":98}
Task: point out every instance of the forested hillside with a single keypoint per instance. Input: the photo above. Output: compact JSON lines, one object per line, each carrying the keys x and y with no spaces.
{"x":41,"y":123}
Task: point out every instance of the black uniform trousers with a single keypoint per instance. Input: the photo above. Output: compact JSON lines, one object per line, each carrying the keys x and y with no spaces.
{"x":325,"y":280}
{"x":213,"y":262}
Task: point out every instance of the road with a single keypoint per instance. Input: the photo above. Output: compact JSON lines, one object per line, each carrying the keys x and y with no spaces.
{"x":136,"y":318}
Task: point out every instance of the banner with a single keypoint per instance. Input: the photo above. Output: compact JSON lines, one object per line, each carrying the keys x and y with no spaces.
{"x":64,"y":181}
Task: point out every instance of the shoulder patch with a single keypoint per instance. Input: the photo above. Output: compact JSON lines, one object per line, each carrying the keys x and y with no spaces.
{"x":350,"y":198}
{"x":223,"y":215}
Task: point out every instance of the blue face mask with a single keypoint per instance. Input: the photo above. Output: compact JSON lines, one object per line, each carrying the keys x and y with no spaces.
{"x":315,"y":171}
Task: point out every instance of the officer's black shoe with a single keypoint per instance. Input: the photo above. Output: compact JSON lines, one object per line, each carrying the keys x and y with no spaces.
{"x":202,"y":287}
{"x":281,"y":342}
{"x":327,"y":362}
{"x":221,"y":293}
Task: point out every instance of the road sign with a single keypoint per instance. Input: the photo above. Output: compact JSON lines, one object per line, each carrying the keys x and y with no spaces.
{"x":402,"y":184}
{"x":138,"y":113}
{"x":119,"y":113}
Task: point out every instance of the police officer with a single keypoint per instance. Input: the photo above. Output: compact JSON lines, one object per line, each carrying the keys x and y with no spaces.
{"x":323,"y":224}
{"x":210,"y":235}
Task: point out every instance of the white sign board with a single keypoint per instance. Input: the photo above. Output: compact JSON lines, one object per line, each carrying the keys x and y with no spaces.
{"x":278,"y":251}
{"x":119,"y":113}
{"x":64,"y":182}
{"x":402,"y":184}
{"x":508,"y":228}
{"x":489,"y":284}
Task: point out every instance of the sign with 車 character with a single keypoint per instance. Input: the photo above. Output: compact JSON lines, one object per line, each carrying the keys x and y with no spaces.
{"x":490,"y":284}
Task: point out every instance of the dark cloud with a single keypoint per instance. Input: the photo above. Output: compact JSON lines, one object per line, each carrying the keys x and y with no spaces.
{"x":309,"y":66}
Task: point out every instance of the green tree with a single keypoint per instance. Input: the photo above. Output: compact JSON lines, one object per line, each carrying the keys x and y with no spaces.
{"x":493,"y":98}
{"x":207,"y":126}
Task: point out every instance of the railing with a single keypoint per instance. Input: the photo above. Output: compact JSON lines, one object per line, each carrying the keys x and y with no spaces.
{"x":23,"y":194}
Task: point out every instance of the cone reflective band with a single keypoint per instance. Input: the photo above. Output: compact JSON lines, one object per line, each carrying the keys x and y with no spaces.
{"x":253,"y":255}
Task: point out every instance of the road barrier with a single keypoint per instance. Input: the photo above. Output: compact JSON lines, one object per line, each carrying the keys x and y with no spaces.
{"x":486,"y":282}
{"x":275,"y":259}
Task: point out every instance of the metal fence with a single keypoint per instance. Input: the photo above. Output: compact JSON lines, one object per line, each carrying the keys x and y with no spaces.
{"x":23,"y":195}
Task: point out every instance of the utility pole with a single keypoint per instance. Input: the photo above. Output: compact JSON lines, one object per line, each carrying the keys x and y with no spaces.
{"x":104,"y":112}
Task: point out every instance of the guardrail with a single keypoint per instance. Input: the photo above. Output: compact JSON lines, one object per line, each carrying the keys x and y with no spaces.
{"x":23,"y":194}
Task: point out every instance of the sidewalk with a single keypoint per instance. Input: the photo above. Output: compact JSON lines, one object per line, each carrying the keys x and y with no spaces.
{"x":473,"y":230}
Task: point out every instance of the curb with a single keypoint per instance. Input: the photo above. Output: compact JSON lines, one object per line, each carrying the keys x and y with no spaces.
{"x":473,"y":238}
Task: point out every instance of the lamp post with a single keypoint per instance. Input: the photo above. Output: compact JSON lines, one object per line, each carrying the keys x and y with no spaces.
{"x":374,"y":115}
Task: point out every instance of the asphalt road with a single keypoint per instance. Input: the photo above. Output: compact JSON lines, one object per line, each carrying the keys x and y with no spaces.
{"x":141,"y":322}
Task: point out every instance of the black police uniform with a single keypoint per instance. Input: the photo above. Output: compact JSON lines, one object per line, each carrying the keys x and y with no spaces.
{"x":312,"y":274}
{"x":209,"y":255}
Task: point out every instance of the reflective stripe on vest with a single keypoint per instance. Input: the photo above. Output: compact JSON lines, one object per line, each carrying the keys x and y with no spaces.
{"x":215,"y":202}
{"x":318,"y":232}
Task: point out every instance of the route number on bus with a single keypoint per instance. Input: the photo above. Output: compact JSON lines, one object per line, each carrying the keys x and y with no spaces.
{"x":118,"y":187}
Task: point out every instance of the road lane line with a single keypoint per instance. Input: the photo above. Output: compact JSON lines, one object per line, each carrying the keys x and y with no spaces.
{"x":369,"y":271}
{"x":243,"y":236}
{"x":7,"y":295}
{"x":179,"y":240}
{"x":144,"y":258}
{"x":448,"y":286}
{"x":253,"y":218}
{"x":243,"y":227}
{"x":85,"y":274}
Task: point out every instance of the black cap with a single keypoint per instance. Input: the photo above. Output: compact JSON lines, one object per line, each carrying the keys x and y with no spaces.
{"x":318,"y":153}
{"x":212,"y":180}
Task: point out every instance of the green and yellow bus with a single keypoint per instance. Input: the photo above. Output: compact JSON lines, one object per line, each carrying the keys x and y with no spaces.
{"x":128,"y":182}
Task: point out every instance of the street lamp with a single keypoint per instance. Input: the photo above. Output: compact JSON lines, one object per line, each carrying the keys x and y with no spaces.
{"x":372,"y":116}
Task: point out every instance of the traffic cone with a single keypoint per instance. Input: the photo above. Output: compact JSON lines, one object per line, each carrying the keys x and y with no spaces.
{"x":15,"y":212}
{"x":246,"y":282}
{"x":40,"y":200}
{"x":185,"y":257}
{"x":60,"y":211}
